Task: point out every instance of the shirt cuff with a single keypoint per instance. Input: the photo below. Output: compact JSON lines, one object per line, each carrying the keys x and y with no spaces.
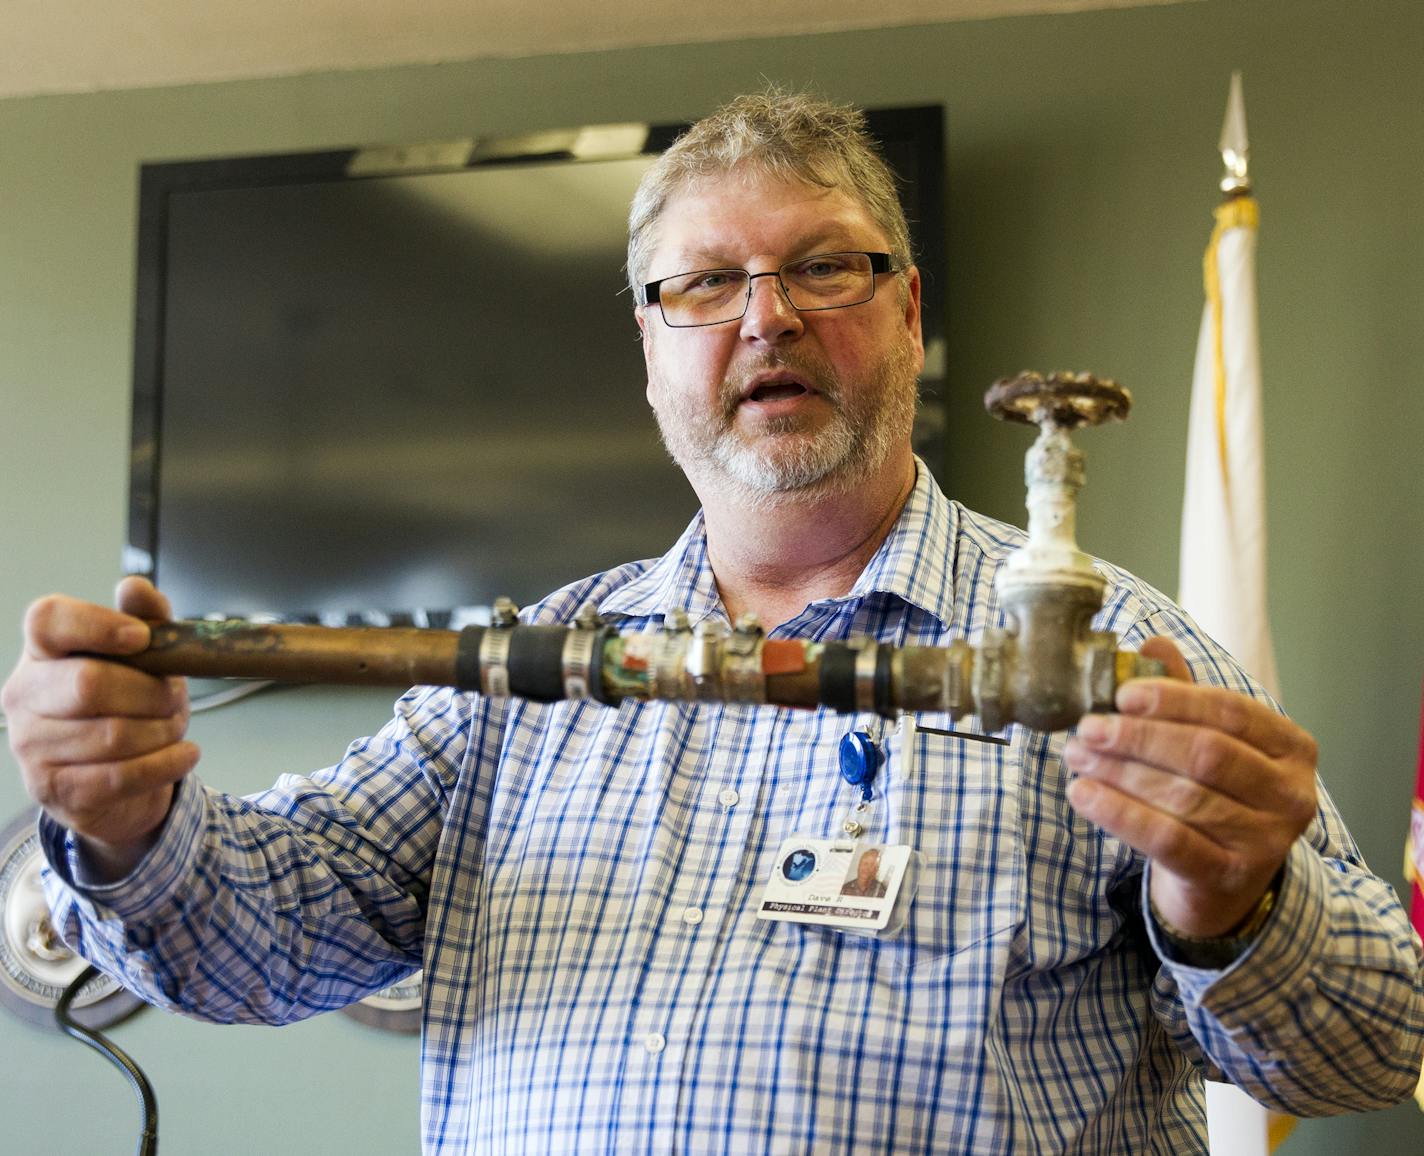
{"x":159,"y":875}
{"x":1281,"y":955}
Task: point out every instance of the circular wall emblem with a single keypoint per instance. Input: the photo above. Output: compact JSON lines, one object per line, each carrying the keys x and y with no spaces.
{"x":392,"y":1009}
{"x":35,"y":964}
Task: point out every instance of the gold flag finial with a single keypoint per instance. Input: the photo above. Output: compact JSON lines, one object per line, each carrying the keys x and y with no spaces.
{"x":1235,"y":150}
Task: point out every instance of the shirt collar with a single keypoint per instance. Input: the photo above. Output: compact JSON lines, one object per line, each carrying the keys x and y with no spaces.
{"x":914,"y":563}
{"x":680,"y":579}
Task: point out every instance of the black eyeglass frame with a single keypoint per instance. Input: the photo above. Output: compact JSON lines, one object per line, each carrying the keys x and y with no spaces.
{"x":879,"y":263}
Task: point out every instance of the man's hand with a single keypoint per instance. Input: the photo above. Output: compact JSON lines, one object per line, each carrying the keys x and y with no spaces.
{"x":100,"y":745}
{"x":1211,"y":785}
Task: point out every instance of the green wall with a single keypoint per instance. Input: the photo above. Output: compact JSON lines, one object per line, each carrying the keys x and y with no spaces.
{"x":1082,"y":178}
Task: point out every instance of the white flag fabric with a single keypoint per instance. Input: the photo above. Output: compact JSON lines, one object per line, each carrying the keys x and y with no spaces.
{"x":1223,"y":559}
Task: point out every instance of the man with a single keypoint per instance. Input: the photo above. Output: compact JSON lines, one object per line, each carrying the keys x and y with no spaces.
{"x":1096,"y":925}
{"x":867,"y":882}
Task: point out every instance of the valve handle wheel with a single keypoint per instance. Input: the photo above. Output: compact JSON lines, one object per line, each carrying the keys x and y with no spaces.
{"x":1065,"y":400}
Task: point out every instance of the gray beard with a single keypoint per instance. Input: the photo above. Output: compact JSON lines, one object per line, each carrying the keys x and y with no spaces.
{"x":782,"y":462}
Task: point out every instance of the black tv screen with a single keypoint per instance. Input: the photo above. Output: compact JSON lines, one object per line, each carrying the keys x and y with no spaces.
{"x":391,"y":384}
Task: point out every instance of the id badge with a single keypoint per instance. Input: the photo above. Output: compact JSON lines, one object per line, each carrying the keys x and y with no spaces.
{"x":855,"y":887}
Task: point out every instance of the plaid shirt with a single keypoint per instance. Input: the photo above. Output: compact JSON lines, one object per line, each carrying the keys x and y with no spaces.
{"x":580,"y":885}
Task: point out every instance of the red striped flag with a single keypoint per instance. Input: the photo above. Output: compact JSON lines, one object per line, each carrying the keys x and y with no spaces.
{"x":1414,"y":857}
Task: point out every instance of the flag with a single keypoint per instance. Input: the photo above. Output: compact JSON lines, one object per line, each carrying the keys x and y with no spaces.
{"x":1414,"y":858}
{"x":1223,"y":554}
{"x":1223,"y":557}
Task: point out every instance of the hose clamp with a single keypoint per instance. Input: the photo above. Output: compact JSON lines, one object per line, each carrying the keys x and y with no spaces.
{"x":494,"y":661}
{"x":703,"y":664}
{"x":578,"y":662}
{"x":742,"y":677}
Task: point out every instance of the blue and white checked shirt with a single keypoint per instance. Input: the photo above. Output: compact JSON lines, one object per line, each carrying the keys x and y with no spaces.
{"x":580,"y":885}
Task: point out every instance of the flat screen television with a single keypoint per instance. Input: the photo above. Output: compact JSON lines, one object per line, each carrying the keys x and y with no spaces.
{"x":390,"y":384}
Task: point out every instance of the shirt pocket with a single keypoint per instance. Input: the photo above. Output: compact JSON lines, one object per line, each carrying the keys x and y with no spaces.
{"x":958,"y":808}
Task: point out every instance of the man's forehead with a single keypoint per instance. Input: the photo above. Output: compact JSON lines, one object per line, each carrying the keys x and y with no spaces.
{"x":734,"y":213}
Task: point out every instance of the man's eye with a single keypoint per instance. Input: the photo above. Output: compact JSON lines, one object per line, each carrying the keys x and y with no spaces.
{"x":818,"y":267}
{"x":717,"y":279}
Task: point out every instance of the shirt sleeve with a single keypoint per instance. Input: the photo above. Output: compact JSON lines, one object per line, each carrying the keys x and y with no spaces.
{"x":1324,"y":1012}
{"x":300,"y":899}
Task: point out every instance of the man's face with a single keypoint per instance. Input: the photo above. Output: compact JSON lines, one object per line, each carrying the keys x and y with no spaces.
{"x":868,"y":868}
{"x":780,"y":402}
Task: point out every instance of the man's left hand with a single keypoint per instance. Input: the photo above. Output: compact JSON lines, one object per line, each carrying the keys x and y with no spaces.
{"x":1213,"y":786}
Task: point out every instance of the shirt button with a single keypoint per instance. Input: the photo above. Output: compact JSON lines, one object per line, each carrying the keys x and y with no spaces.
{"x":654,"y":1042}
{"x":728,"y":797}
{"x":692,"y":915}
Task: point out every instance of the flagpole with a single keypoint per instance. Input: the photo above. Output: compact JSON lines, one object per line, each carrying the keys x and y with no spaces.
{"x":1223,"y":556}
{"x":1234,"y":144}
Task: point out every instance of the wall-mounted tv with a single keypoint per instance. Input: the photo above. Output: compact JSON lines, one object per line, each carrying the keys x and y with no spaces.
{"x":389,"y":384}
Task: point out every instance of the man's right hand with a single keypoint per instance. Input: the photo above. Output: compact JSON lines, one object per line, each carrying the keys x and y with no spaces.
{"x":100,"y":744}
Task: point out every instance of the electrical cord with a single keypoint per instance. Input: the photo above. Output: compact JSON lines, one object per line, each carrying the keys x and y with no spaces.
{"x":148,"y":1102}
{"x":233,"y":693}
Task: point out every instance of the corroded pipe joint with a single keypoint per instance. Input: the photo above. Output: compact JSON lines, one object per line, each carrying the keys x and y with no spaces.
{"x":1047,"y":670}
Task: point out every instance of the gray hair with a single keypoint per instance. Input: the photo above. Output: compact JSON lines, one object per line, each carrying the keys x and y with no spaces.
{"x":787,"y":136}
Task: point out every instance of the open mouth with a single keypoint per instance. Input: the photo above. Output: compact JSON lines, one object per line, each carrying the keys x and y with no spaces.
{"x":777,"y":391}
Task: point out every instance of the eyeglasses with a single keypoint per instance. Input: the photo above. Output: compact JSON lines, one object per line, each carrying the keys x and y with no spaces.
{"x":715,"y":296}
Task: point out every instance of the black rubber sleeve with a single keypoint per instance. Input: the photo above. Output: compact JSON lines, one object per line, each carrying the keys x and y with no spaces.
{"x":536,"y":662}
{"x":838,"y":677}
{"x":467,"y":658}
{"x":884,"y":657}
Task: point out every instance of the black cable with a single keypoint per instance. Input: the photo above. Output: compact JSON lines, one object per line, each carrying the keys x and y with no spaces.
{"x":148,"y":1102}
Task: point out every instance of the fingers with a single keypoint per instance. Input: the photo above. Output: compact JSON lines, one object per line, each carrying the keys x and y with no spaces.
{"x":106,"y":776}
{"x":1213,"y":786}
{"x":1230,"y":802}
{"x":52,"y":727}
{"x":1253,"y":723}
{"x":1179,"y":846}
{"x":99,"y":743}
{"x":111,"y":740}
{"x":118,"y":807}
{"x":58,"y":626}
{"x":91,"y":688}
{"x":84,"y":792}
{"x":56,"y":679}
{"x":1159,"y":760}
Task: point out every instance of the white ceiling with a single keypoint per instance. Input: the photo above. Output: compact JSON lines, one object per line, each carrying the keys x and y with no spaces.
{"x":50,"y":46}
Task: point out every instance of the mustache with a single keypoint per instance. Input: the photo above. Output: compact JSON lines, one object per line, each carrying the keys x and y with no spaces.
{"x":816,"y":370}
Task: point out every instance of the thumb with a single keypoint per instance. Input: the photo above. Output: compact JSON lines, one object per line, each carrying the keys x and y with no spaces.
{"x":139,"y":597}
{"x":1165,"y":651}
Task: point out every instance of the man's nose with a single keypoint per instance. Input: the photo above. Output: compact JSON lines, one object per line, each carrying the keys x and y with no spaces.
{"x":770,"y":316}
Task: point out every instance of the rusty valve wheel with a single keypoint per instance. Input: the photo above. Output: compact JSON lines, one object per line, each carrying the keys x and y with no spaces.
{"x":1066,"y":400}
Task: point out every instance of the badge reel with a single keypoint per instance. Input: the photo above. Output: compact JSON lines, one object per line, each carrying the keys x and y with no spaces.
{"x":846,"y":882}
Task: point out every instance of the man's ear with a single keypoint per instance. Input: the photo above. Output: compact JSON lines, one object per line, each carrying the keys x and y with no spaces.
{"x":646,"y":337}
{"x":912,"y":314}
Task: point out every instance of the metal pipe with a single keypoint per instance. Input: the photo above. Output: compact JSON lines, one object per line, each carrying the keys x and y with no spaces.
{"x":1045,"y":670}
{"x":546,"y":663}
